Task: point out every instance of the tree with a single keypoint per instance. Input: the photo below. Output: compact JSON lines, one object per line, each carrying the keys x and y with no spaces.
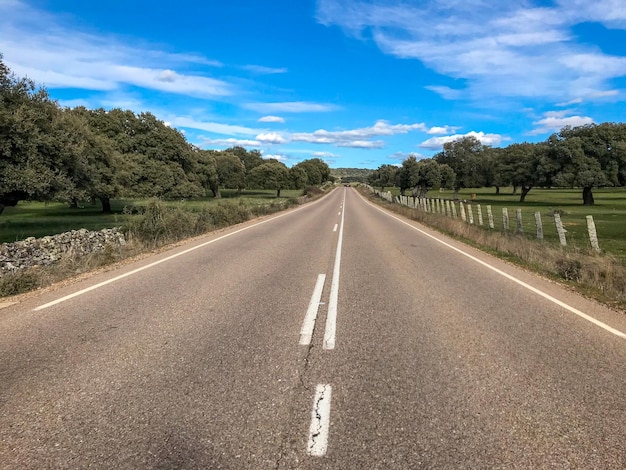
{"x":158,"y":161}
{"x":206,"y":171}
{"x":33,"y":162}
{"x":407,"y":174}
{"x":431,"y":174}
{"x":464,"y":157}
{"x":317,"y":171}
{"x":250,"y":158}
{"x":525,"y":166}
{"x":605,"y":143}
{"x":231,"y":171}
{"x":384,"y":176}
{"x":298,"y":177}
{"x":98,"y":164}
{"x":270,"y":175}
{"x":575,"y":169}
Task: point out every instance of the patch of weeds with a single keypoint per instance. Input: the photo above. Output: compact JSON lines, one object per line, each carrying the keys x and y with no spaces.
{"x":18,"y":283}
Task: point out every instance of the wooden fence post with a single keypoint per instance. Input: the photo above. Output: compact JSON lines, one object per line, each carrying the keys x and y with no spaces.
{"x":470,"y":214}
{"x":463,"y":216}
{"x":539,"y":225}
{"x":480,"y":214}
{"x":448,"y":210}
{"x":454,"y":214}
{"x":518,"y":217}
{"x":559,"y":228}
{"x":593,"y":235}
{"x":505,"y":219}
{"x":490,"y":217}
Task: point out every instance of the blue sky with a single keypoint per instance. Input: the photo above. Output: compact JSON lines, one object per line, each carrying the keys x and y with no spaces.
{"x":358,"y":83}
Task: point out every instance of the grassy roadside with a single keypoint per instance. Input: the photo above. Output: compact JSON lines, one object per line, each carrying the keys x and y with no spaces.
{"x":147,"y":225}
{"x":601,"y":276}
{"x":38,"y":219}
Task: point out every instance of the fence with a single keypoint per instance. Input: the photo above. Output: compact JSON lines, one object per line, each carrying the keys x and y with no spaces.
{"x":474,"y":214}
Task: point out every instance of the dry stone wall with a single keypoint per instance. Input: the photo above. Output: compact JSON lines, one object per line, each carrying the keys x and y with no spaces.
{"x":48,"y":250}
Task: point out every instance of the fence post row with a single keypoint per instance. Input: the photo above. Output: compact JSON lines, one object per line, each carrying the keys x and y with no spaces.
{"x":449,"y":209}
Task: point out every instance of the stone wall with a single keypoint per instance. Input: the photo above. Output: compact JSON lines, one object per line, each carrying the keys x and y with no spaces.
{"x":47,"y":250}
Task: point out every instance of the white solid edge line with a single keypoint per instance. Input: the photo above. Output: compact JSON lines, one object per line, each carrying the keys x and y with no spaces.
{"x":306,"y":332}
{"x":320,"y":421}
{"x":546,"y":296}
{"x":135,"y":271}
{"x":331,"y":316}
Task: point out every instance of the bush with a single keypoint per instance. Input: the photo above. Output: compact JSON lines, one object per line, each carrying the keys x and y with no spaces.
{"x":312,"y":191}
{"x":18,"y":283}
{"x":158,"y":224}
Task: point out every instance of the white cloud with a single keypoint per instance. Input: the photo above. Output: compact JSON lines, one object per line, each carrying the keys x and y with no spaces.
{"x":271,"y":119}
{"x":271,"y":138}
{"x":217,"y":128}
{"x":554,"y":121}
{"x":442,"y":130}
{"x":260,"y":69}
{"x":446,"y":92}
{"x":436,"y":143}
{"x":357,"y":137}
{"x":499,"y":49}
{"x":206,"y":141}
{"x":275,"y":156}
{"x":292,"y":107}
{"x":362,"y":144}
{"x":324,"y":155}
{"x":35,"y":44}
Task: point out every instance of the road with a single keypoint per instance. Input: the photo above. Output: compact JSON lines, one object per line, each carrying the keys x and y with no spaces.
{"x":332,"y":336}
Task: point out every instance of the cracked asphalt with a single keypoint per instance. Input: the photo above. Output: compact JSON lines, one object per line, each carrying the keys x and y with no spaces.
{"x":439,"y":362}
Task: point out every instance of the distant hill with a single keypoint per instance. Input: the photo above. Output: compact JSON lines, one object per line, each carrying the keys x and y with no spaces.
{"x":351,"y":175}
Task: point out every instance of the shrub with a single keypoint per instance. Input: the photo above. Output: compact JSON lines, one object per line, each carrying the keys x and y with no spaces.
{"x":18,"y":283}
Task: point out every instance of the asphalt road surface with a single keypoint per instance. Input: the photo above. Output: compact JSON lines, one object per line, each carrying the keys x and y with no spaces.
{"x":332,"y":336}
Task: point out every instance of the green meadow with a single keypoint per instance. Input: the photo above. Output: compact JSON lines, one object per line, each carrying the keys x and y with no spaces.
{"x":38,"y":219}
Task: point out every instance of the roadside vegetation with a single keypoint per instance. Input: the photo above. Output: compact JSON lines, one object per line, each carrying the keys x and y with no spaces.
{"x":147,"y":225}
{"x":598,"y":275}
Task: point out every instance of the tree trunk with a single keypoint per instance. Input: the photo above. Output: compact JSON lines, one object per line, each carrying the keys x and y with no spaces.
{"x":514,"y":189}
{"x":74,"y":203}
{"x":588,"y":196}
{"x":2,"y":206}
{"x":497,"y":190}
{"x":525,"y":191}
{"x":216,"y":193}
{"x":278,"y":192}
{"x":456,"y":194}
{"x":401,"y":191}
{"x":106,"y":205}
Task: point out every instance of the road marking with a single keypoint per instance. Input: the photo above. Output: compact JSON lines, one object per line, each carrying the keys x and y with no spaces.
{"x":6,"y":304}
{"x":320,"y":421}
{"x":151,"y":265}
{"x":306,"y":332}
{"x":546,"y":296}
{"x":331,"y":317}
{"x":335,"y":229}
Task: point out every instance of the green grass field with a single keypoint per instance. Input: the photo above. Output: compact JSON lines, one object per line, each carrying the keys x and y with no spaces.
{"x":38,"y":219}
{"x":609,"y":213}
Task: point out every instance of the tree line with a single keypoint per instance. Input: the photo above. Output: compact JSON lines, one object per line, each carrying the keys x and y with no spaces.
{"x":585,"y":157}
{"x":49,"y":152}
